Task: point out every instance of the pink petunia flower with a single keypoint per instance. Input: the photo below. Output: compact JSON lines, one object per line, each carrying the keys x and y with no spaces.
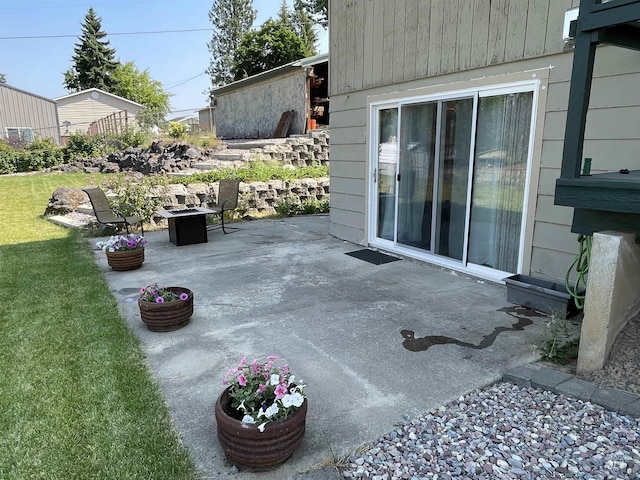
{"x":280,"y":391}
{"x":255,"y":367}
{"x":242,"y":380}
{"x":159,"y":300}
{"x":261,"y":388}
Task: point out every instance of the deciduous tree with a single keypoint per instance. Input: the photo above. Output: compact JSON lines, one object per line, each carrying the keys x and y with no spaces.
{"x":138,"y":86}
{"x":273,"y":45}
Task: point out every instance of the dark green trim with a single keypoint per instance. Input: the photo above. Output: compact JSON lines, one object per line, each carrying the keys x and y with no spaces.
{"x":616,"y":12}
{"x":588,"y":222}
{"x":610,"y":192}
{"x":579,"y":94}
{"x":626,"y":36}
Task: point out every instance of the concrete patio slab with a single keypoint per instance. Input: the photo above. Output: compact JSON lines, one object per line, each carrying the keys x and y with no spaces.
{"x":376,"y":344}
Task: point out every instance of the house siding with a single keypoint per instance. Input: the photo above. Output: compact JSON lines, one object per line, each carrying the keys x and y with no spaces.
{"x":612,"y":138}
{"x":376,"y":42}
{"x":20,"y":109}
{"x":82,"y":110}
{"x":254,"y":111}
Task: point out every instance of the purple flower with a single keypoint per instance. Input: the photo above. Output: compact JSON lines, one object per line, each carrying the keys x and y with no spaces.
{"x":184,"y":296}
{"x":159,"y":300}
{"x":242,"y":380}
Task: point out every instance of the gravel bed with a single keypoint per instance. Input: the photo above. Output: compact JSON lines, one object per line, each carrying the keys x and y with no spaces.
{"x":506,"y":431}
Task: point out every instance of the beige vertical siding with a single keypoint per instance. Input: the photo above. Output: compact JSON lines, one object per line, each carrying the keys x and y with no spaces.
{"x":81,"y":110}
{"x":20,"y":109}
{"x":612,"y":139}
{"x":380,"y":42}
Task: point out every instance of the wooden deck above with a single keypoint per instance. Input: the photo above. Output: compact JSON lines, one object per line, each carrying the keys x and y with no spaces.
{"x":605,"y":201}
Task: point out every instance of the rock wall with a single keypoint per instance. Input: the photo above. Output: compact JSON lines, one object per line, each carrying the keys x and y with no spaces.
{"x":181,"y":158}
{"x":256,"y":198}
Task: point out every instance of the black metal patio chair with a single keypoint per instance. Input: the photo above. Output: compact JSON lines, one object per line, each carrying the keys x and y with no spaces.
{"x":228,"y":193}
{"x":106,"y":215}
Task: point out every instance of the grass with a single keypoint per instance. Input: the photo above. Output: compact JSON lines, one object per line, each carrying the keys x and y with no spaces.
{"x":76,"y":398}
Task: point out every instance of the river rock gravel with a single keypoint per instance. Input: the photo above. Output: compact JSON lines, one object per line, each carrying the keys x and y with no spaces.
{"x":506,"y":431}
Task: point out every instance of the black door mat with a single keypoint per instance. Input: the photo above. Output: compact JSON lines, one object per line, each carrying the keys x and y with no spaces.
{"x":372,"y":256}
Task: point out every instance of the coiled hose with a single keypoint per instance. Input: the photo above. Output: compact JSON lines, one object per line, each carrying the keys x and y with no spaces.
{"x":581,"y":265}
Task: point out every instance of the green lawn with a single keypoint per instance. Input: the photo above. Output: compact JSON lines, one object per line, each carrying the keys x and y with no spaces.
{"x":76,"y":398}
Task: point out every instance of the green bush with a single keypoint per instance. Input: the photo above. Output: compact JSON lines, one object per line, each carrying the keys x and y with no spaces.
{"x":177,"y":130}
{"x":288,"y":207}
{"x":34,"y":156}
{"x":137,"y":194}
{"x":8,"y":158}
{"x":129,"y":137}
{"x":81,"y":145}
{"x":311,"y":206}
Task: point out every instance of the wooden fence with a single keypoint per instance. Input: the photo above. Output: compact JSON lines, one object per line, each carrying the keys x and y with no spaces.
{"x":113,"y":124}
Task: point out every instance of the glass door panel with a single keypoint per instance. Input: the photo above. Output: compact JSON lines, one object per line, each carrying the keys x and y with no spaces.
{"x":386,"y":175}
{"x":453,"y":177}
{"x":502,"y":152}
{"x":415,"y":186}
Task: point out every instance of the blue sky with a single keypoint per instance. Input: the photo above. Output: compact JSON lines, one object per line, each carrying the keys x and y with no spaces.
{"x":178,"y":60}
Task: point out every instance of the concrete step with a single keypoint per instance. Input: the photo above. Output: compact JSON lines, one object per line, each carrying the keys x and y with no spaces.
{"x":229,"y":156}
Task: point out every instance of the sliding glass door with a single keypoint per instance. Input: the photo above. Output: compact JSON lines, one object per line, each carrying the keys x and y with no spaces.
{"x":450,"y":177}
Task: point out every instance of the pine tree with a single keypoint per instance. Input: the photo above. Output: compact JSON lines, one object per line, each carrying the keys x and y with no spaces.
{"x":303,"y":26}
{"x":93,"y":61}
{"x":300,"y":23}
{"x":231,"y":20}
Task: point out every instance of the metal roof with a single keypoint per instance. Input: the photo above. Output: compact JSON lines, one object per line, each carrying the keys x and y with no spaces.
{"x":291,"y":67}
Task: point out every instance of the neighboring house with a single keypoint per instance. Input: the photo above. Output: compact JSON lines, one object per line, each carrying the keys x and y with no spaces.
{"x":190,"y":121}
{"x":252,"y":107}
{"x":78,"y":111}
{"x":27,"y":115}
{"x":447,"y":128}
{"x":205,"y":119}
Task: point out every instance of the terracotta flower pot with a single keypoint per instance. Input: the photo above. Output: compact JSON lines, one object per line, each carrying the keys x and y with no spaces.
{"x":245,"y":444}
{"x":167,"y":316}
{"x":125,"y":259}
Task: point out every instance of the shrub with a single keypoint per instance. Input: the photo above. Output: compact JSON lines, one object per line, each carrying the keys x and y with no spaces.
{"x":177,"y":130}
{"x":81,"y":145}
{"x":130,"y":137}
{"x":29,"y":157}
{"x":8,"y":158}
{"x":288,"y":207}
{"x":311,"y":206}
{"x":137,"y":194}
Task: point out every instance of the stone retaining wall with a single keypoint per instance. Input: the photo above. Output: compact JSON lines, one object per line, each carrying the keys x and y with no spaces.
{"x":257,"y":199}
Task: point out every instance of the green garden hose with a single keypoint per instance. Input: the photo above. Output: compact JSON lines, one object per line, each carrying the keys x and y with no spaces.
{"x":581,"y":265}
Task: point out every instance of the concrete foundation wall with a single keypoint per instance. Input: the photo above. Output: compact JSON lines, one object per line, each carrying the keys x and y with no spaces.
{"x":613,"y":296}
